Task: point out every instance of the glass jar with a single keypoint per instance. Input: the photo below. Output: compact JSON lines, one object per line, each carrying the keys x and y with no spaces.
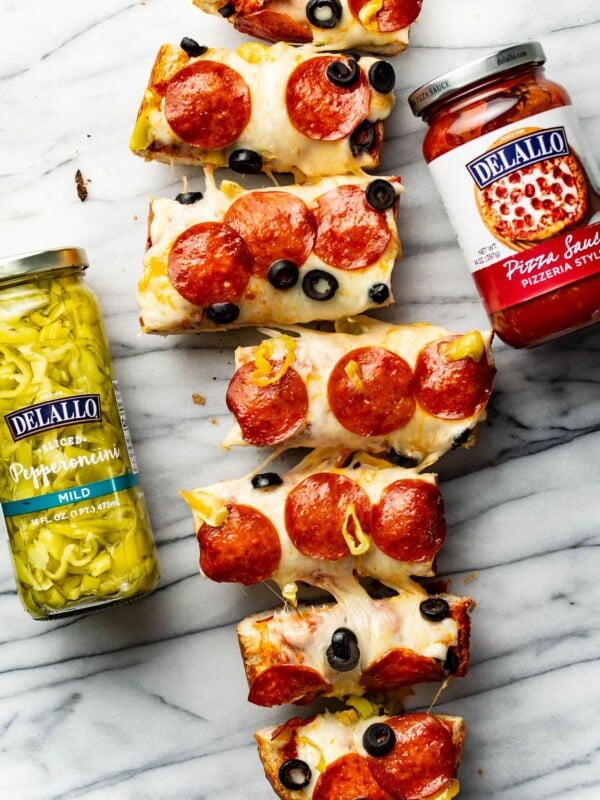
{"x":72,"y":507}
{"x":505,"y":152}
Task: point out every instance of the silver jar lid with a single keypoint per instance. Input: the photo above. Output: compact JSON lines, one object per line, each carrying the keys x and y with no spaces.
{"x":41,"y":261}
{"x":474,"y":71}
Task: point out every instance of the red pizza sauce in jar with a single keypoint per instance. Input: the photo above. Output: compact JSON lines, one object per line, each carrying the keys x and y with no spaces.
{"x":505,"y":151}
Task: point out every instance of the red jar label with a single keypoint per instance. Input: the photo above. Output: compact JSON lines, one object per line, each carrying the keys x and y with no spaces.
{"x":523,"y":203}
{"x":550,"y":266}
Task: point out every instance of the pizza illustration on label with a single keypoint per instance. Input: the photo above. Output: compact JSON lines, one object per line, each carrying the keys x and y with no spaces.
{"x":530,"y":187}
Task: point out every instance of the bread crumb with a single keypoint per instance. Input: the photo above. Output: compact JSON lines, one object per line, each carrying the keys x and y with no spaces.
{"x":472,"y":576}
{"x":214,"y":421}
{"x":81,"y":186}
{"x":480,"y":771}
{"x":198,"y":399}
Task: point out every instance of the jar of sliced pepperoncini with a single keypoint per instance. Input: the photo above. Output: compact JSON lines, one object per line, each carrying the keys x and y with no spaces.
{"x":72,"y":506}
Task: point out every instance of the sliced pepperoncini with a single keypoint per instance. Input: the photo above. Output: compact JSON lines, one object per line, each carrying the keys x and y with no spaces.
{"x":469,"y":345}
{"x":368,"y":15}
{"x":290,"y":593}
{"x":254,"y":53}
{"x":207,"y":507}
{"x":321,"y":765}
{"x":263,"y":374}
{"x":231,"y":189}
{"x":358,"y":542}
{"x":353,"y":373}
{"x":348,"y":325}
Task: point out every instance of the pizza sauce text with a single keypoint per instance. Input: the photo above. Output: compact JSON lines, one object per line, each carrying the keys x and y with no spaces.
{"x":505,"y":151}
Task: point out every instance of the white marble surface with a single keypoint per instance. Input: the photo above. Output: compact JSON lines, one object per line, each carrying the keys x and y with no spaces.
{"x":148,"y":701}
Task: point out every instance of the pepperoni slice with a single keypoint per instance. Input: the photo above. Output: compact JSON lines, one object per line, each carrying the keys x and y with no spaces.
{"x":209,"y":263}
{"x":393,"y":15}
{"x":208,"y":104}
{"x":351,"y":234}
{"x":244,"y":549}
{"x":274,"y":225}
{"x":401,"y":667}
{"x":408,"y":523}
{"x":318,"y":108}
{"x":316,"y":510}
{"x":273,"y":26}
{"x":451,"y":389}
{"x":267,"y":414}
{"x":370,"y":391}
{"x":422,"y":762}
{"x":287,"y":683}
{"x":348,"y":778}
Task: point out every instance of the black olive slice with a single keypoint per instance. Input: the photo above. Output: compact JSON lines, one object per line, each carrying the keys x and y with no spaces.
{"x":191,"y":47}
{"x":400,"y":459}
{"x":187,"y":198}
{"x":223,"y":313}
{"x":343,"y":653}
{"x":379,"y":739}
{"x":379,"y":292}
{"x":319,"y":285}
{"x":283,"y":274}
{"x":462,"y":438}
{"x":382,"y":77}
{"x":434,"y":609}
{"x":227,"y":10}
{"x":324,"y":13}
{"x":342,"y":73}
{"x":248,"y":162}
{"x":362,"y":138}
{"x":264,"y":479}
{"x":295,"y":774}
{"x":452,"y":662}
{"x":380,"y":194}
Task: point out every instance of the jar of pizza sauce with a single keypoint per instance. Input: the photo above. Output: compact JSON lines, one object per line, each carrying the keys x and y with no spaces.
{"x":505,"y":151}
{"x":70,"y":501}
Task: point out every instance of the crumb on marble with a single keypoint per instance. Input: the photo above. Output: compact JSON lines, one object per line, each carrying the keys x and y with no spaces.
{"x":472,"y":576}
{"x":81,"y":186}
{"x":213,"y":421}
{"x":198,"y":399}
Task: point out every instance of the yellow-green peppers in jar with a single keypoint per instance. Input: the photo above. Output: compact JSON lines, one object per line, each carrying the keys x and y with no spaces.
{"x":72,"y":506}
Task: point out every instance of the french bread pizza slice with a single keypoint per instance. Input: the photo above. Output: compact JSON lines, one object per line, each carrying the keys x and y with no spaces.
{"x":233,"y":257}
{"x":413,"y":756}
{"x":375,"y":26}
{"x":334,"y":516}
{"x":358,"y":645}
{"x":415,"y":390}
{"x":258,"y":108}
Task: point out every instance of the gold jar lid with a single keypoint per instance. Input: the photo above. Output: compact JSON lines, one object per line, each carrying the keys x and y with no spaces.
{"x":483,"y":68}
{"x":38,"y":262}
